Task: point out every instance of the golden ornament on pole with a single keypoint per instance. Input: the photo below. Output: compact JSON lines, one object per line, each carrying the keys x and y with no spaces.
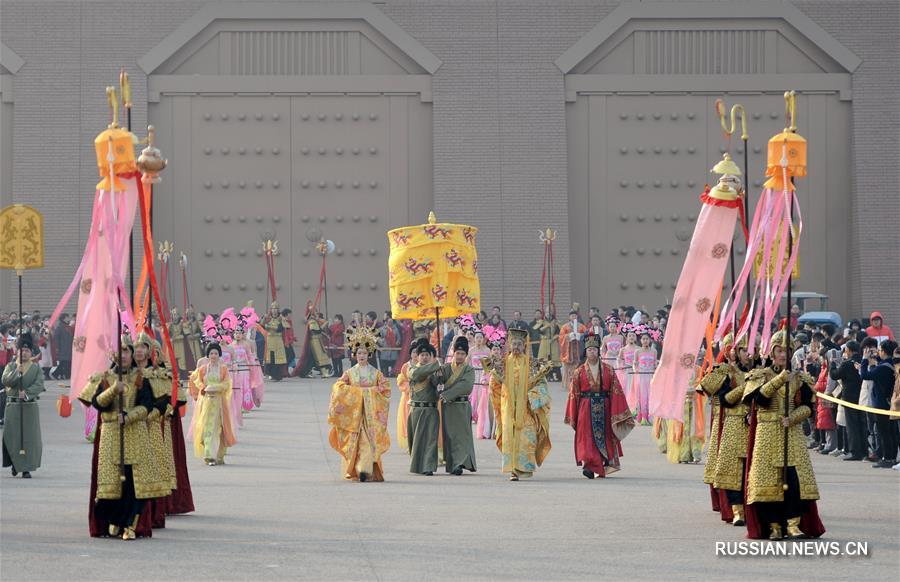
{"x":166,"y":250}
{"x":21,"y":238}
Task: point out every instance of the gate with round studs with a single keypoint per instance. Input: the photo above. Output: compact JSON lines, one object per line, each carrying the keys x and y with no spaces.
{"x":293,"y":123}
{"x":643,"y":134}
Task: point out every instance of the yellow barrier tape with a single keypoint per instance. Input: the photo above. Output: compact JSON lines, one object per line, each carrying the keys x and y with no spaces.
{"x":824,"y":396}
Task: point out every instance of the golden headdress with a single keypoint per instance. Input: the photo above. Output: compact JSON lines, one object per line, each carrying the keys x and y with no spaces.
{"x":144,"y":338}
{"x":361,"y":336}
{"x":728,"y":342}
{"x":778,"y":339}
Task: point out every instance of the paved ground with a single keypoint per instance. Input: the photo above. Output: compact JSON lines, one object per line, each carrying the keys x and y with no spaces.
{"x":279,"y":510}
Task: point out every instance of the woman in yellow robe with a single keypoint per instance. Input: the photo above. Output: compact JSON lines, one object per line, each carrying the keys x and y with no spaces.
{"x":358,"y":412}
{"x":685,"y":438}
{"x":211,"y":428}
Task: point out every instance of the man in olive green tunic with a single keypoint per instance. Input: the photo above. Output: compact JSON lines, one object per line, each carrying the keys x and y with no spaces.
{"x":456,"y":418}
{"x":22,"y":445}
{"x":424,"y":422}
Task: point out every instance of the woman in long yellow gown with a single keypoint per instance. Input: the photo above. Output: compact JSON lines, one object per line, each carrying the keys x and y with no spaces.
{"x":211,"y":428}
{"x":358,"y":413}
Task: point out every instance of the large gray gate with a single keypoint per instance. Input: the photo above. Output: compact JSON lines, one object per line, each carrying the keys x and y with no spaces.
{"x":293,"y":122}
{"x":643,"y":134}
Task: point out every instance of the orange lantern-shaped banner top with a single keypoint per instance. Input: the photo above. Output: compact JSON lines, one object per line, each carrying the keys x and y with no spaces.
{"x":785,"y":149}
{"x":433,"y":267}
{"x":122,"y":145}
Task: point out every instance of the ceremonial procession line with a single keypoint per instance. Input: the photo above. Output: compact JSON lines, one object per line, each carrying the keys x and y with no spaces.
{"x":280,"y":510}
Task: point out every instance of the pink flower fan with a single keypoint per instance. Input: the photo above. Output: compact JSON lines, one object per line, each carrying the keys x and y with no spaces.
{"x":250,"y":317}
{"x":210,"y":329}
{"x":228,"y":319}
{"x":494,"y":335}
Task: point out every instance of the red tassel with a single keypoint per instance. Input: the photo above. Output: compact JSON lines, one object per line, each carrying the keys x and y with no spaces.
{"x":154,"y":290}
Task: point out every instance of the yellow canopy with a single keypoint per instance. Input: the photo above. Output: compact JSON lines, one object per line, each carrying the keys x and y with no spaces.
{"x":433,"y":266}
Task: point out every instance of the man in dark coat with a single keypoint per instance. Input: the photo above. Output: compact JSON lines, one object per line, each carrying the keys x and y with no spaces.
{"x":458,"y":378}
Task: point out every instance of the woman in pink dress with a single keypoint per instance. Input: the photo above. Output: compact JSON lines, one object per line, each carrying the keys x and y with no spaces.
{"x":612,"y":342}
{"x":242,"y":361}
{"x":625,"y":365}
{"x":480,"y":398}
{"x":645,"y":361}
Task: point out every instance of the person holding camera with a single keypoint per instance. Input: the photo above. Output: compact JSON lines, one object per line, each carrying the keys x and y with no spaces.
{"x":846,"y":372}
{"x":879,"y":368}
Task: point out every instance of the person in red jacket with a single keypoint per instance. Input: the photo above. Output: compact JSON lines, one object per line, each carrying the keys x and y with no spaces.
{"x":336,"y":344}
{"x":878,"y":329}
{"x":825,"y":421}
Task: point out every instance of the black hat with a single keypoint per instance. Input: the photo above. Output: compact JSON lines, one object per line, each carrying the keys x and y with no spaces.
{"x":25,"y":341}
{"x":428,"y":349}
{"x":461,"y":343}
{"x":416,"y":344}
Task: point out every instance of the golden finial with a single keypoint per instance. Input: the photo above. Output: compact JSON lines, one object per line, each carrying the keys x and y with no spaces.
{"x":432,"y":219}
{"x":548,"y":236}
{"x":166,"y":249}
{"x":737,"y":108}
{"x":726,"y":166}
{"x":790,"y":111}
{"x":151,"y":162}
{"x":113,"y":106}
{"x":125,"y":87}
{"x":270,"y":247}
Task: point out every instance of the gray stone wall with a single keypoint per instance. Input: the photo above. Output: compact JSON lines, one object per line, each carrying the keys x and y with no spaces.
{"x":499,"y":126}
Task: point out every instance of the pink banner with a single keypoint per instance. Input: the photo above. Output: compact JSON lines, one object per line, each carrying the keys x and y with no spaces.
{"x":695,"y":297}
{"x":101,"y":286}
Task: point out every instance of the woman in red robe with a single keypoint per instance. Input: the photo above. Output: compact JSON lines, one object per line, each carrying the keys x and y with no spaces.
{"x":599,"y":413}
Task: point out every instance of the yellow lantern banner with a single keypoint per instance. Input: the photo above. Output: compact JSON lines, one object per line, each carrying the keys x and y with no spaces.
{"x":433,"y":267}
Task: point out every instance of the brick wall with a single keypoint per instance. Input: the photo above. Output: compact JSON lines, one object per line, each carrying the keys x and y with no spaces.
{"x":499,"y":126}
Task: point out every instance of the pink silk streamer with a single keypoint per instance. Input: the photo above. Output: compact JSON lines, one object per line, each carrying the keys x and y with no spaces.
{"x":772,"y":223}
{"x":101,"y":280}
{"x":695,"y":296}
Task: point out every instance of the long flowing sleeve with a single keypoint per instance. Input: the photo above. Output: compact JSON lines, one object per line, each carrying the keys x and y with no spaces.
{"x":496,"y":389}
{"x":403,"y":379}
{"x":563,"y":339}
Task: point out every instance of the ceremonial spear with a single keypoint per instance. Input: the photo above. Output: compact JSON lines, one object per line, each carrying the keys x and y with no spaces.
{"x":745,"y":137}
{"x":790,"y":107}
{"x":125,"y":86}
{"x":111,"y":160}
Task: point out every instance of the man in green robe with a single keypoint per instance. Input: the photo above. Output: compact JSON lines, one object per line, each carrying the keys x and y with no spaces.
{"x":456,"y":417}
{"x":24,"y":383}
{"x":424,"y":423}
